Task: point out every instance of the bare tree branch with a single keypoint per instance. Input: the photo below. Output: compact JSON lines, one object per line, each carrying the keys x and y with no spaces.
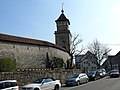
{"x":99,"y":50}
{"x":73,"y":51}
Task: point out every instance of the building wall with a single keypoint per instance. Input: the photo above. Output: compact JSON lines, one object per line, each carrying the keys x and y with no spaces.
{"x":29,"y":55}
{"x":63,"y":40}
{"x":86,"y":62}
{"x":88,"y":65}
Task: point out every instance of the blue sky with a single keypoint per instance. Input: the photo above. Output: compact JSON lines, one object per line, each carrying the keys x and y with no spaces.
{"x":36,"y":19}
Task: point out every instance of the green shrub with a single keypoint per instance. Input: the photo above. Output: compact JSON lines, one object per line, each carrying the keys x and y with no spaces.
{"x":58,"y":62}
{"x":6,"y":65}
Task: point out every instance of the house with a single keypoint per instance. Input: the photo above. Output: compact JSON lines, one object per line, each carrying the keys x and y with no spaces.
{"x":112,"y":62}
{"x":86,"y":62}
{"x":107,"y":64}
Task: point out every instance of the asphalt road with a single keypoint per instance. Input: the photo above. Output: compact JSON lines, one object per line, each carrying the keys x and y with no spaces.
{"x":102,"y":84}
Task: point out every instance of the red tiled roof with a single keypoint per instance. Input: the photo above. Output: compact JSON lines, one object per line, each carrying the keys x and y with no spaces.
{"x":17,"y":39}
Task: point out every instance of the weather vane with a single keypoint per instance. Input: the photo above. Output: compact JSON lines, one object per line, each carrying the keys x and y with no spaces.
{"x":62,"y":5}
{"x":62,"y":8}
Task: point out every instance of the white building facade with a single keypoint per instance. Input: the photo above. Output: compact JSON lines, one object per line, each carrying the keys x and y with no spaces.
{"x":86,"y":62}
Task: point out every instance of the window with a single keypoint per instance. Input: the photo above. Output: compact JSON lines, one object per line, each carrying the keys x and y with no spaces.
{"x":48,"y":80}
{"x":7,"y":84}
{"x":12,"y":84}
{"x":2,"y":85}
{"x":88,"y":64}
{"x":95,"y":68}
{"x":63,"y":44}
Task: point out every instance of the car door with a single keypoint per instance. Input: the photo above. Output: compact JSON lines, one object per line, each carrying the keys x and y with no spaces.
{"x":81,"y":78}
{"x":84,"y":78}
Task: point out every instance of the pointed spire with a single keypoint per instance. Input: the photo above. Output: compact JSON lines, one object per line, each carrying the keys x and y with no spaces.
{"x":62,"y":17}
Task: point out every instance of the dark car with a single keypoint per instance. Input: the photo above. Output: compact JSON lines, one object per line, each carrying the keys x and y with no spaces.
{"x":114,"y":73}
{"x":93,"y":75}
{"x":102,"y":72}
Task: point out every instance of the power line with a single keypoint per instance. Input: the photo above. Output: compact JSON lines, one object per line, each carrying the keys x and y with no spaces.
{"x":113,"y":44}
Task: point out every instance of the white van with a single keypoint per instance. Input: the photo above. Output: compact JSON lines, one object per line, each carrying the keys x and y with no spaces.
{"x":9,"y":85}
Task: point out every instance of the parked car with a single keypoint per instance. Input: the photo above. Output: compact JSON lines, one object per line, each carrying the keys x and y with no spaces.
{"x":47,"y":83}
{"x":9,"y":85}
{"x":77,"y":79}
{"x":93,"y":75}
{"x":114,"y":73}
{"x":102,"y":72}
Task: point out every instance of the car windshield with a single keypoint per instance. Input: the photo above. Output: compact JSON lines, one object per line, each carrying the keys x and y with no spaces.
{"x":91,"y":72}
{"x":38,"y":80}
{"x":113,"y":71}
{"x":74,"y":76}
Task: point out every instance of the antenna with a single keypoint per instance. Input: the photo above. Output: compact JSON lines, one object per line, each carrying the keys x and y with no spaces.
{"x":112,"y":44}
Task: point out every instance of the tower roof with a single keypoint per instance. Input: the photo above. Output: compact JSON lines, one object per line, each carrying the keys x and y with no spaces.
{"x":62,"y":18}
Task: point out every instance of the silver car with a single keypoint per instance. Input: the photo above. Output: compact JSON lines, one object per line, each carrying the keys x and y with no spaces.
{"x":77,"y":79}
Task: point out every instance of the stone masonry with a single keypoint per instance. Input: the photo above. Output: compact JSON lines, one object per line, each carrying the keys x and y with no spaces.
{"x":29,"y":53}
{"x":27,"y":76}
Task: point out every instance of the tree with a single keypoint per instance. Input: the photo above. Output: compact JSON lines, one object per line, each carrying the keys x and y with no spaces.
{"x":73,"y":51}
{"x":99,"y":50}
{"x":7,"y":65}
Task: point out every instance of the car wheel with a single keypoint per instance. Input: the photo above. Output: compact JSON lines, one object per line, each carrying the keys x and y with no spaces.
{"x":95,"y":79}
{"x":78,"y":83}
{"x":56,"y":87}
{"x":87,"y":80}
{"x":36,"y":89}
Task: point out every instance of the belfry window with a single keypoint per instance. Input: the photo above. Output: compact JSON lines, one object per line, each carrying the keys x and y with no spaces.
{"x":63,"y":44}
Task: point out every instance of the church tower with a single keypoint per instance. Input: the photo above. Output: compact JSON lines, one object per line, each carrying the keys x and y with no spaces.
{"x":63,"y":35}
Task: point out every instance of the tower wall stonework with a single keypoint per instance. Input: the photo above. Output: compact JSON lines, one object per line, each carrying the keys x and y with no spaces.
{"x":30,"y":56}
{"x":62,"y":34}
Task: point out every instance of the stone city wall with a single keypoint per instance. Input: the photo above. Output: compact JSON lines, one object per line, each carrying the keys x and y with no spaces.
{"x":30,"y":56}
{"x":26,"y":76}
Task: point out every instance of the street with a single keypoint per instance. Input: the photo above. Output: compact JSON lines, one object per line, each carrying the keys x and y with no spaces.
{"x":102,"y":84}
